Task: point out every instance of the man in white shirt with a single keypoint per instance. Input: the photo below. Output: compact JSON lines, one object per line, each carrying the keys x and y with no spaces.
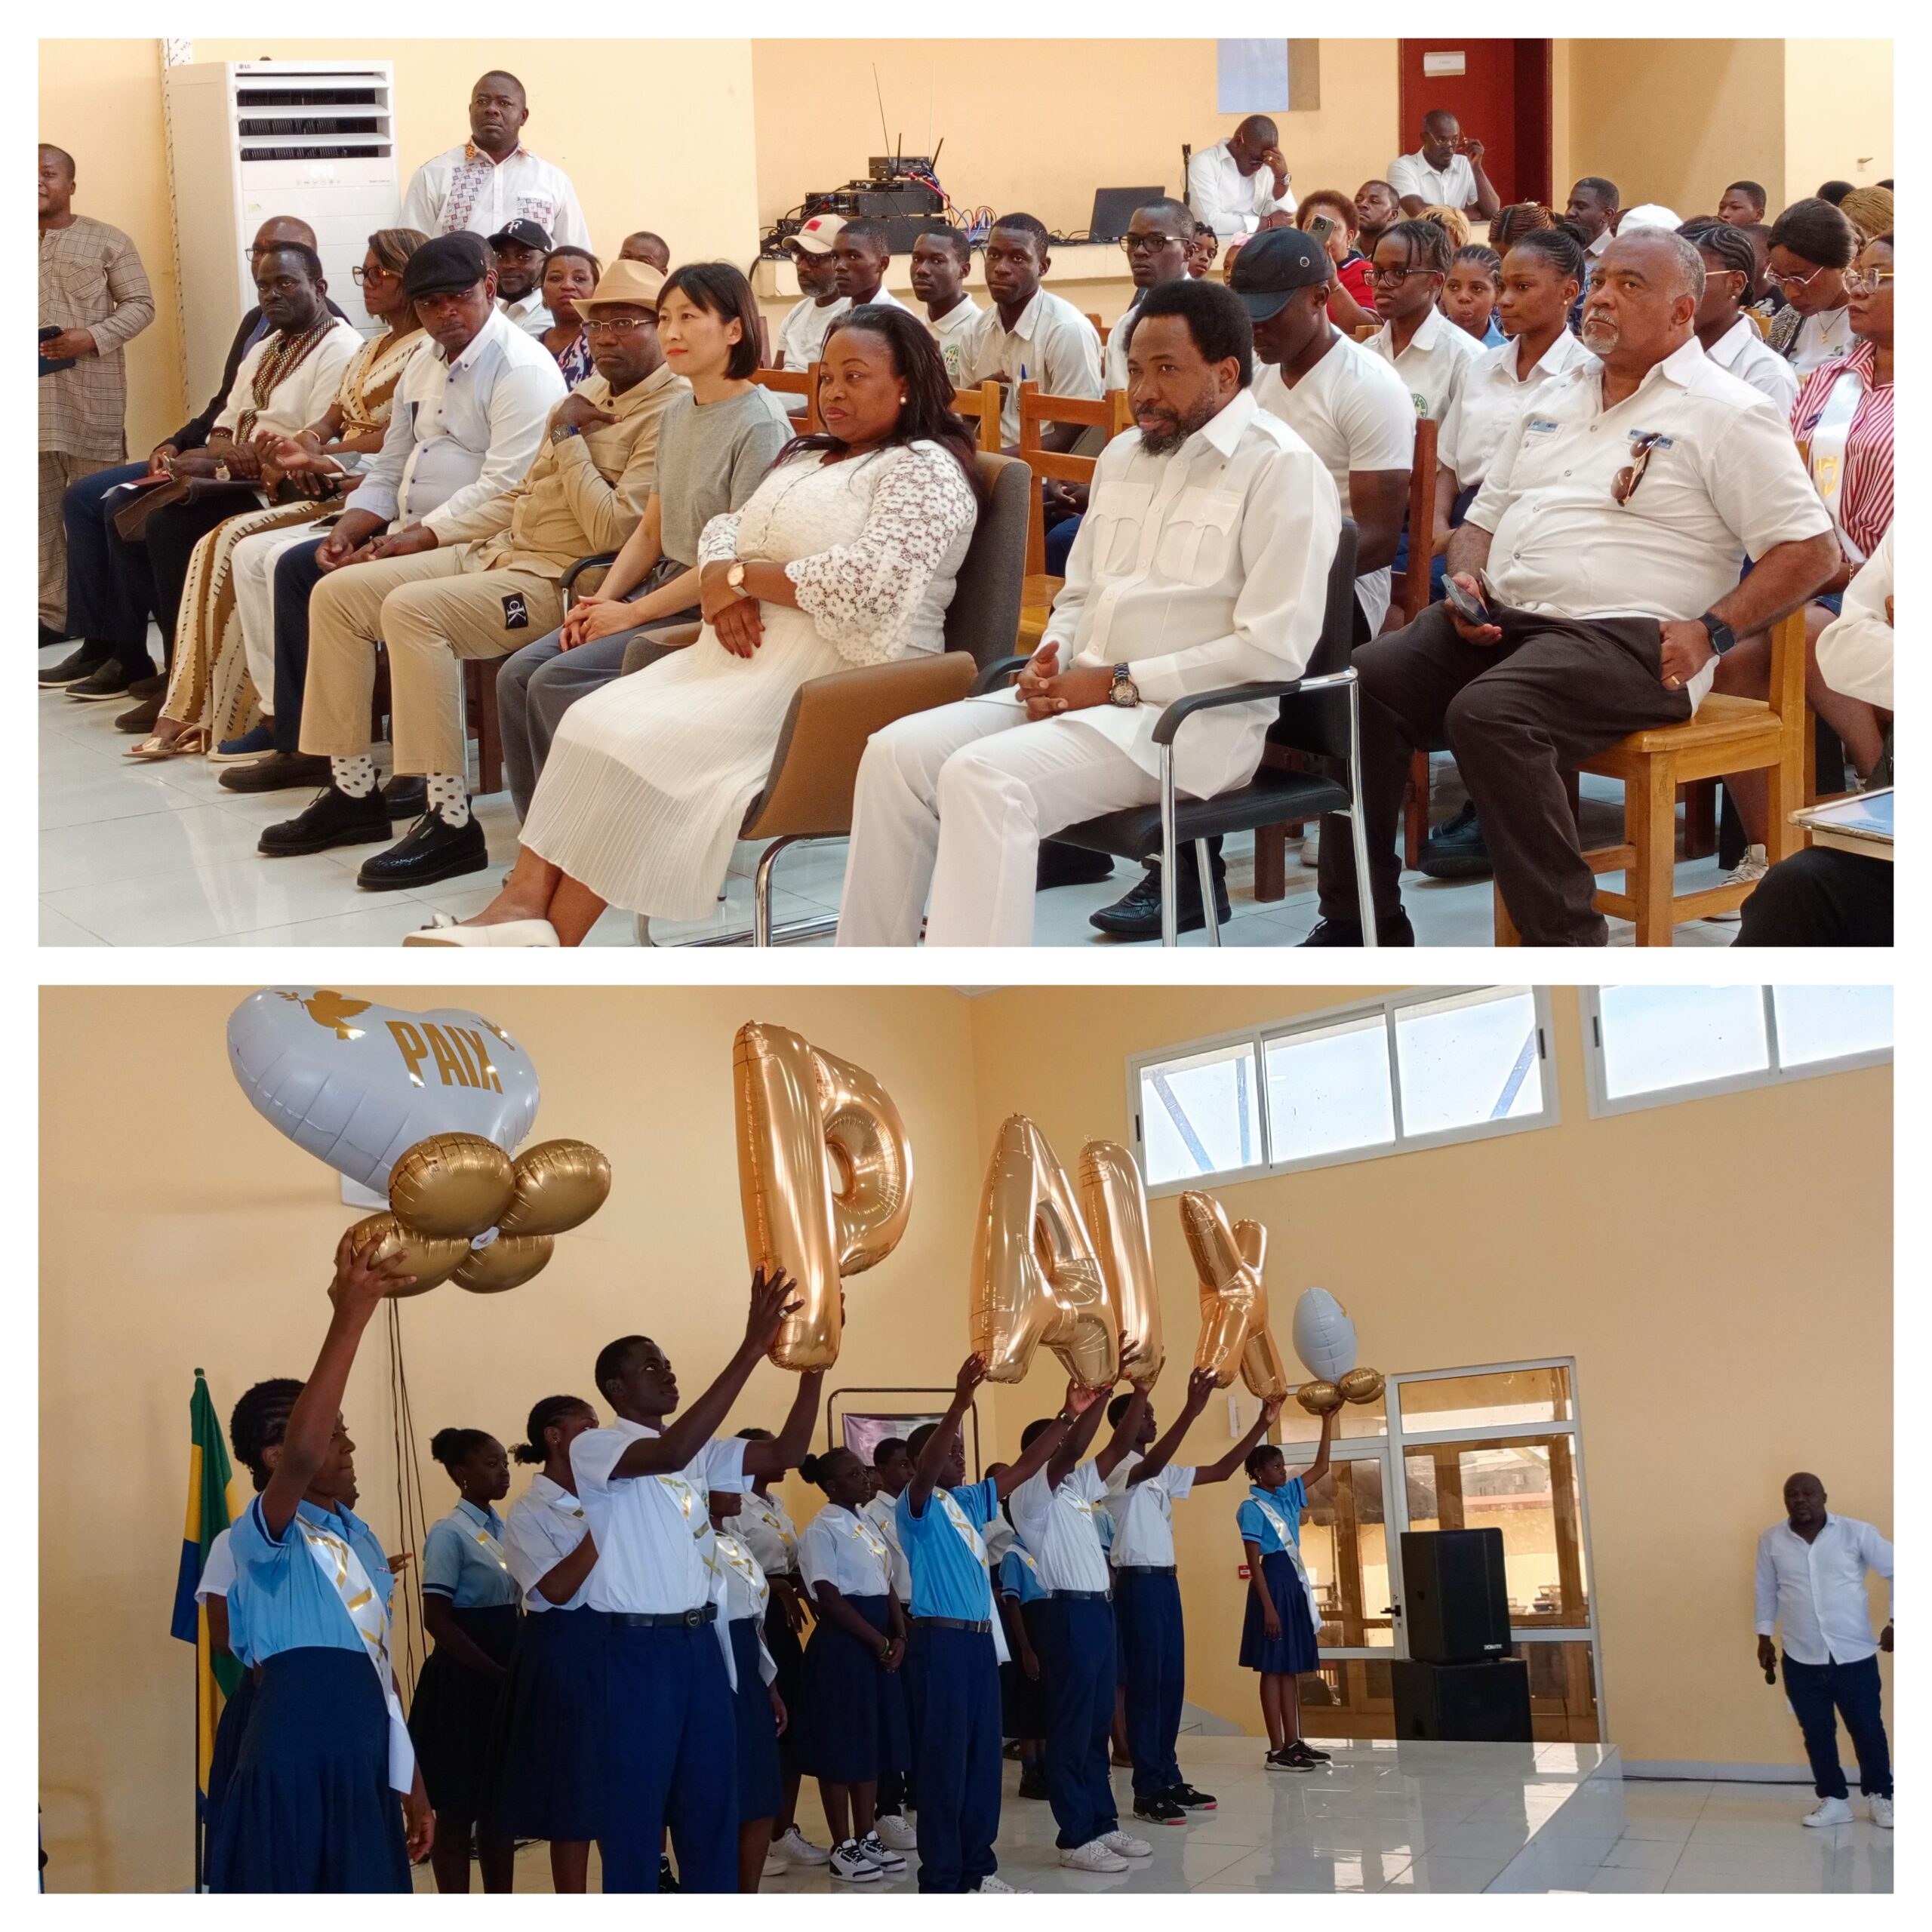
{"x":1444,"y":171}
{"x":1728,"y":335}
{"x":1236,"y":185}
{"x":521,"y":248}
{"x":1028,"y":335}
{"x":1203,"y":562}
{"x":1158,"y":242}
{"x":1428,"y":351}
{"x":1607,"y":542}
{"x":1592,"y":207}
{"x":941,"y":262}
{"x":1811,"y":1570}
{"x":861,"y":258}
{"x":645,"y":1484}
{"x":492,"y":178}
{"x":802,"y":335}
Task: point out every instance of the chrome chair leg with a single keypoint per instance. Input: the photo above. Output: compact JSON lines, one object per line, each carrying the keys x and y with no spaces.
{"x":1204,"y":864}
{"x":761,"y":891}
{"x":1358,"y":832}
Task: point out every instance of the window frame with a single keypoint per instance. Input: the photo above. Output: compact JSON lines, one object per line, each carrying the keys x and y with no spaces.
{"x":1603,"y":1105}
{"x":1388,"y":1007}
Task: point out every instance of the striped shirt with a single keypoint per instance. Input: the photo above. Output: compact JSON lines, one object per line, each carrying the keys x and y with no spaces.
{"x":1865,"y":503}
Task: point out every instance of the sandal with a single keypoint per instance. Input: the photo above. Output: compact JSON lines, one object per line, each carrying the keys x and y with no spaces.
{"x":192,"y":743}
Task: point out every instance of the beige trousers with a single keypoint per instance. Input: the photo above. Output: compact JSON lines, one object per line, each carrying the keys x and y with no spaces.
{"x":433,"y":609}
{"x":57,"y":470}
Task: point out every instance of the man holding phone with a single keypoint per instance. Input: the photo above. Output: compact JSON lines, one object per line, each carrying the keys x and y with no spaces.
{"x":1444,"y":171}
{"x":1242,"y":184}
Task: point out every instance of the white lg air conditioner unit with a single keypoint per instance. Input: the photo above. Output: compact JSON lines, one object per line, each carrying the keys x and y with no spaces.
{"x":251,"y":139}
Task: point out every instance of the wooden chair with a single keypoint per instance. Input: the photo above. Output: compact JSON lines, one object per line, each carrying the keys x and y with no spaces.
{"x":982,"y":405}
{"x":1036,"y":411}
{"x":1366,"y":331}
{"x":795,"y":382}
{"x":1728,"y":734}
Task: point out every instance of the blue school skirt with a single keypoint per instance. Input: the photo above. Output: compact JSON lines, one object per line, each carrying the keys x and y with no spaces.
{"x":1294,"y":1651}
{"x":228,"y":1732}
{"x":760,"y":1787}
{"x":551,"y":1719}
{"x":1023,"y":1700}
{"x":309,"y":1807}
{"x":852,"y":1713}
{"x":789,"y":1654}
{"x":453,"y":1718}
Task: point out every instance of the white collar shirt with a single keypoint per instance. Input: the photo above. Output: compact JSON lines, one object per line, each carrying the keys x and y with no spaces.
{"x":527,"y":312}
{"x":1057,"y":1526}
{"x":952,"y":332}
{"x":1203,"y":567}
{"x":802,"y":335}
{"x":301,"y":398}
{"x":773,"y":1537}
{"x":1451,"y":187}
{"x":1602,"y":242}
{"x":1490,"y":398}
{"x":882,"y":1512}
{"x":652,"y":1531}
{"x":1353,"y":411}
{"x":1230,"y":202}
{"x":545,"y":1523}
{"x":1113,"y":351}
{"x":1052,"y":344}
{"x":1143,"y":1512}
{"x":1856,"y":650}
{"x":1438,"y":355}
{"x":1724,"y":484}
{"x":1752,"y":359}
{"x":461,"y":189}
{"x":460,"y":433}
{"x":1816,"y":1590}
{"x":844,"y":1548}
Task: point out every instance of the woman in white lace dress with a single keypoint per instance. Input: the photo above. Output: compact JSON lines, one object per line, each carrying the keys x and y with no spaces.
{"x":846,"y":553}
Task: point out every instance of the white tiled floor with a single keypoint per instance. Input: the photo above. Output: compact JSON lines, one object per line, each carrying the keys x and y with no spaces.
{"x":161,"y":855}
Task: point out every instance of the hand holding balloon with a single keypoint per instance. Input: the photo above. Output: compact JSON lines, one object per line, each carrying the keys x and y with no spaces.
{"x":363,"y":1276}
{"x":773,"y":1305}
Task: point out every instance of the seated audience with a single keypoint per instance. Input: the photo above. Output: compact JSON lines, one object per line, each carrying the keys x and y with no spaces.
{"x":1726,"y":334}
{"x":651,"y":249}
{"x":1518,"y":219}
{"x":1593,"y":207}
{"x":1162,"y":598}
{"x":1207,"y":246}
{"x":1351,"y":298}
{"x":1445,"y":170}
{"x":1429,"y":352}
{"x":493,"y":177}
{"x":941,"y":262}
{"x":1743,"y":203}
{"x":1869,"y":210}
{"x":861,"y":259}
{"x":1812,"y":244}
{"x":1609,"y":563}
{"x":569,"y":274}
{"x":1157,"y":245}
{"x":1834,"y":191}
{"x":521,"y":248}
{"x":1470,"y":295}
{"x":714,"y":446}
{"x":1820,"y":896}
{"x":1351,"y":409}
{"x":1029,"y":334}
{"x":1769,"y":299}
{"x":1378,"y":208}
{"x":846,"y":555}
{"x":1238,"y":185}
{"x":222,"y":674}
{"x":802,"y":333}
{"x":1453,"y":222}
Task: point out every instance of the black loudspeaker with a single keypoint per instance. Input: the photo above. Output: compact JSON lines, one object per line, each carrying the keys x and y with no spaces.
{"x":1487,"y":1703}
{"x":1455,"y":1605}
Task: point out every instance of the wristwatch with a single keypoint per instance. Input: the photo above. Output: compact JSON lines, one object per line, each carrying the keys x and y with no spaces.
{"x":563,"y":432}
{"x":1125,"y":692}
{"x":735,"y":579}
{"x":221,"y":475}
{"x":1721,"y":634}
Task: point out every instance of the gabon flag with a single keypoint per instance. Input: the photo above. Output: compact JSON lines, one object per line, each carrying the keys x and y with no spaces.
{"x":209,"y":1472}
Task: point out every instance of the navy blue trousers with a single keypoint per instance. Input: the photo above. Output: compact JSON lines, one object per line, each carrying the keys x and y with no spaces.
{"x":1148,"y":1608}
{"x":296,"y":574}
{"x":107,"y":599}
{"x":1820,"y":1694}
{"x":1078,"y":1662}
{"x":673,"y":1760}
{"x":953,"y":1678}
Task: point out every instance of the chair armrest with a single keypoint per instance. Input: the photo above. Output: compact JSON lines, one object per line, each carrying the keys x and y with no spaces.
{"x":1177,"y":714}
{"x":682,"y":636}
{"x":566,"y":583}
{"x":996,"y":674}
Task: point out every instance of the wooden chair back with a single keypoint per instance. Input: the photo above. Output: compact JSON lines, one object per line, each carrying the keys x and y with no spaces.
{"x":982,"y":405}
{"x":1366,"y":331}
{"x":1037,"y":412}
{"x":795,"y":382}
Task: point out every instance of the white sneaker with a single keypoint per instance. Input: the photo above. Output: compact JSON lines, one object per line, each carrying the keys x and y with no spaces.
{"x":775,"y":1867}
{"x":1311,"y":844}
{"x":1748,"y":870}
{"x":1830,"y":1811}
{"x":849,"y":1862}
{"x":1880,"y":1809}
{"x":897,"y":1832}
{"x":889,"y":1862}
{"x":1092,"y":1857}
{"x":795,"y":1848}
{"x":1124,"y":1845}
{"x":990,"y":1883}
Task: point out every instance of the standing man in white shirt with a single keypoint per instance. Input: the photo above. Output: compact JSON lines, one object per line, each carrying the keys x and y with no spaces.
{"x":1428,"y":351}
{"x":1238,"y":184}
{"x":645,"y":1484}
{"x":1028,"y":335}
{"x":1444,"y":171}
{"x":493,"y":178}
{"x":521,"y":248}
{"x":1203,"y":562}
{"x":941,"y":262}
{"x":1811,"y":1570}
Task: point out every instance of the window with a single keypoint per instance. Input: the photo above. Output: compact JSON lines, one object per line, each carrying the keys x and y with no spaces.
{"x":1386,"y":1076}
{"x":1647,"y":1045}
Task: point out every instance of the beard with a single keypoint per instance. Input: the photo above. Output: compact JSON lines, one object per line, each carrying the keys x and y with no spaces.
{"x":1597,"y":334}
{"x":1175,"y":428}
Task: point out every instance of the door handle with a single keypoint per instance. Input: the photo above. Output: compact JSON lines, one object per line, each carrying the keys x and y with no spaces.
{"x":1392,"y":1609}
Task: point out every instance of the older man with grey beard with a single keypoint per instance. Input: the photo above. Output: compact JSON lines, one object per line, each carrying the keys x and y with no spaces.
{"x":1603,"y":560}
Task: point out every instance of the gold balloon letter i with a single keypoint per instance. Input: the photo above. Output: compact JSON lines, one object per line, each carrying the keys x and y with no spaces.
{"x":1234,"y":1298}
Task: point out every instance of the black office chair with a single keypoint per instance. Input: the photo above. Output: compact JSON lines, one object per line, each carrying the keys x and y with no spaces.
{"x":1320,"y":718}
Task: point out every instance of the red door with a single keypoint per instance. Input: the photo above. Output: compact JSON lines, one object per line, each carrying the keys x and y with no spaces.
{"x":1501,"y":97}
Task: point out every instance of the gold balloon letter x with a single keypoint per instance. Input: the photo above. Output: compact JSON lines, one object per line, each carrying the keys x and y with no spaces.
{"x":825,"y":1175}
{"x":1234,"y":1298}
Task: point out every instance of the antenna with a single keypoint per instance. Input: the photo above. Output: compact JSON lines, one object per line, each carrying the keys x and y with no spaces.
{"x":880,"y":92}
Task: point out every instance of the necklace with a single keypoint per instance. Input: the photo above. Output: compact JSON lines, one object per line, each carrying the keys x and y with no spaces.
{"x":285,"y":354}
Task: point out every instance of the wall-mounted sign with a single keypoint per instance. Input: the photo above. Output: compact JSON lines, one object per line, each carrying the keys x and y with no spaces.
{"x":1435,"y":66}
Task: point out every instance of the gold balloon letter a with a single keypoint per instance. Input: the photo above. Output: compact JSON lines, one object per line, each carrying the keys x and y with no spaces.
{"x":825,"y":1174}
{"x":1115,"y":1202}
{"x":1234,"y":1298}
{"x":1036,"y":1278}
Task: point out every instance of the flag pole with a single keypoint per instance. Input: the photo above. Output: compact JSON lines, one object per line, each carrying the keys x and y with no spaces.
{"x":199,"y":1821}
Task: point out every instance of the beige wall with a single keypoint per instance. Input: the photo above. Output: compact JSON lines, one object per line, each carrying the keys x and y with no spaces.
{"x":1853,"y":140}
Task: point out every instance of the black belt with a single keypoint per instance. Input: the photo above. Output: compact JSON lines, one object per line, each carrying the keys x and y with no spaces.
{"x":675,"y":1619}
{"x":982,"y":1628}
{"x":1084,"y":1596}
{"x":1144,"y":1570}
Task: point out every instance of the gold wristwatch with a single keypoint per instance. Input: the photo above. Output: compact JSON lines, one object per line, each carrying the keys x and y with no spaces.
{"x":735,"y":579}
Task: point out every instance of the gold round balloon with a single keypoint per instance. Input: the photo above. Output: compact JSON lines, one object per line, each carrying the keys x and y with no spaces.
{"x":431,"y":1261}
{"x":1319,"y":1398}
{"x":560,"y":1184}
{"x":1361,"y":1385}
{"x":451,"y":1186}
{"x":507,"y":1262}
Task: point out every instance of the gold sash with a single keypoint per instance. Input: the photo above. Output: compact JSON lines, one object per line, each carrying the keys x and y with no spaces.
{"x":369,"y":1614}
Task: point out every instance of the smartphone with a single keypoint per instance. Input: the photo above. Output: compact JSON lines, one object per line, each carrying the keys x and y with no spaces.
{"x":1471,"y":609}
{"x":1321,"y":230}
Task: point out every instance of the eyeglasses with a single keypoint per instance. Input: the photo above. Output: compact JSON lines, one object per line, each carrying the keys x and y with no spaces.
{"x":1396,"y":275}
{"x":1150,"y":244}
{"x":1865,"y":281}
{"x":1791,"y":280}
{"x":619,"y":326}
{"x":1624,"y":486}
{"x":365,"y":277}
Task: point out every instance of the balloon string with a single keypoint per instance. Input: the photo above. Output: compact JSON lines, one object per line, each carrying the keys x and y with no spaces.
{"x":409,"y":1508}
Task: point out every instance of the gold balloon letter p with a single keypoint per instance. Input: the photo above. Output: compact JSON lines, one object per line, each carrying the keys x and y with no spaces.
{"x":825,"y":1174}
{"x":1234,"y":1298}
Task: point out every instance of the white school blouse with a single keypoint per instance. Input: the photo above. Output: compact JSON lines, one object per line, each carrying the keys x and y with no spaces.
{"x":1057,"y":1525}
{"x":843,"y":1549}
{"x":769,"y":1533}
{"x":545,"y":1523}
{"x":1143,"y":1512}
{"x":882,"y":1512}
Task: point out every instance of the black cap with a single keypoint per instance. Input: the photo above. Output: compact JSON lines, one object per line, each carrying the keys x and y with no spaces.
{"x":526,"y":233}
{"x":1272,"y":266}
{"x":446,"y":263}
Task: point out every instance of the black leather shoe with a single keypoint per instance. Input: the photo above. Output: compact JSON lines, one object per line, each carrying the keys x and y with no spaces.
{"x":1397,"y":931}
{"x":1070,"y":865}
{"x":1032,"y":1784}
{"x":1455,"y":849}
{"x":333,"y":818}
{"x":406,"y":798}
{"x":279,"y":771}
{"x":145,"y":716}
{"x":430,"y":849}
{"x":110,"y":679}
{"x":75,"y":666}
{"x":1138,"y":915}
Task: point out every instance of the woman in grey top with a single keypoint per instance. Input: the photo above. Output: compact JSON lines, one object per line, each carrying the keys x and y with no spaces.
{"x":713,"y":447}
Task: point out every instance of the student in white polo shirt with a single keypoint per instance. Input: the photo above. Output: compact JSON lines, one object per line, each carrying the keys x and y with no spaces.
{"x":1236,"y":184}
{"x":1728,"y":335}
{"x":1607,"y":543}
{"x":941,"y":262}
{"x":1428,"y":351}
{"x":645,"y":1484}
{"x":1444,"y":171}
{"x":861,"y":259}
{"x":1029,"y":336}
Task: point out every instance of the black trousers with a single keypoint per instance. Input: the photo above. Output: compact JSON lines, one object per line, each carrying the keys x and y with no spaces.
{"x":296,"y":574}
{"x":1821,"y":897}
{"x":1822,"y":1692}
{"x":1518,"y":714}
{"x":102,"y":608}
{"x":122,"y":584}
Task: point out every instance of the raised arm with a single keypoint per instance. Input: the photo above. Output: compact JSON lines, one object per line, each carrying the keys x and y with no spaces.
{"x":1317,"y":1469}
{"x":1201,"y":1385}
{"x":1238,"y":1456}
{"x":786,"y":1449}
{"x":1084,"y":1405}
{"x":1127,"y":1431}
{"x":939,"y":1445}
{"x":1033,"y":1459}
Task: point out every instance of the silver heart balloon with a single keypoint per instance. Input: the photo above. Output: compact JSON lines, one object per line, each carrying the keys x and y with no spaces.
{"x":357,"y":1085}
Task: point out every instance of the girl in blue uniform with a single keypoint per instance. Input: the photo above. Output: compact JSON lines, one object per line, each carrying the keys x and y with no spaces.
{"x":743,"y":1596}
{"x":325,"y":1796}
{"x":469,"y":1600}
{"x":552,"y":1709}
{"x":852,"y":1714}
{"x":1277,"y":1635}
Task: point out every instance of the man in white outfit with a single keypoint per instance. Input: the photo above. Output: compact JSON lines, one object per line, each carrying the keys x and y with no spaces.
{"x":1237,"y":185}
{"x":493,"y":179}
{"x":1203,"y":562}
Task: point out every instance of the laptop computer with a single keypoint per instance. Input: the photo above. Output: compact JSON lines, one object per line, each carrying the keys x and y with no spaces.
{"x":1113,"y":209}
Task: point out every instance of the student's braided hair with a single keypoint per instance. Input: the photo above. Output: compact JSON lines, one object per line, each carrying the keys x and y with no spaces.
{"x":1558,"y":246}
{"x":1730,"y":246}
{"x":259,"y":1421}
{"x":1427,"y":243}
{"x":545,"y":1415}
